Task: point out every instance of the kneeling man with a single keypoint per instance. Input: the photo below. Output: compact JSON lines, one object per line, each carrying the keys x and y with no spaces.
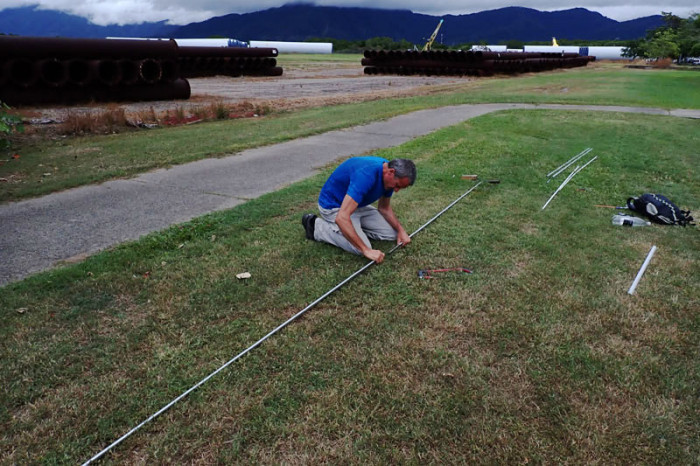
{"x":347,"y":219}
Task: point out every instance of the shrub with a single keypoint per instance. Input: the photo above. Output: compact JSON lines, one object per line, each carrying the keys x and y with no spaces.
{"x":9,"y":124}
{"x":219,"y":110}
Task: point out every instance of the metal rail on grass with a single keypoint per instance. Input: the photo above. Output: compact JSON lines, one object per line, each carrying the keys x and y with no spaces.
{"x":277,"y":329}
{"x":567,"y":164}
{"x":568,"y":178}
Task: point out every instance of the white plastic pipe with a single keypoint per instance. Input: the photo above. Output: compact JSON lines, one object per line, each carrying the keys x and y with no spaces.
{"x":641,"y":271}
{"x":606,"y":53}
{"x":551,"y":48}
{"x":295,"y":47}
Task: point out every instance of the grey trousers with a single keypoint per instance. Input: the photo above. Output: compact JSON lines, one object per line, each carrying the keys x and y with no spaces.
{"x":368,"y":223}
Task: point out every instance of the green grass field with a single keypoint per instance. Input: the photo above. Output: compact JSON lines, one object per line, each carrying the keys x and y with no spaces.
{"x":51,"y":166}
{"x":538,"y":356}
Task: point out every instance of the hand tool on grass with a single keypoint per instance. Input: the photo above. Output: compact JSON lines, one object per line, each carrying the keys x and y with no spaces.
{"x":277,"y":329}
{"x":476,"y":177}
{"x":428,"y":273}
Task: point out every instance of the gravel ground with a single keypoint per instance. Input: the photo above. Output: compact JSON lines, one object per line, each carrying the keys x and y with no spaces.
{"x":300,"y":86}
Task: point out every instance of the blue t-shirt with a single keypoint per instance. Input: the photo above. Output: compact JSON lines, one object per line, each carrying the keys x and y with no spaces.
{"x":360,"y":178}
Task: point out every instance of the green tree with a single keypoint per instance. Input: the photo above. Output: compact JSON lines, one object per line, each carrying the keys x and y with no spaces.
{"x":515,"y":44}
{"x":387,"y":43}
{"x":663,"y":45}
{"x":689,"y":37}
{"x":678,"y":38}
{"x":403,"y":44}
{"x":634,"y":49}
{"x":380,"y":43}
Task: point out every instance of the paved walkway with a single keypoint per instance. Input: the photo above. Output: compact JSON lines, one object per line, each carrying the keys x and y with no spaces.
{"x":38,"y":234}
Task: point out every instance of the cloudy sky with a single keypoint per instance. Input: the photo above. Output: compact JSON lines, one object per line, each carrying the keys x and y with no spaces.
{"x":187,"y":11}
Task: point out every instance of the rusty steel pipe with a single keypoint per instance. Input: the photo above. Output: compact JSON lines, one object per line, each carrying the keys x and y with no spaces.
{"x":423,"y":63}
{"x":274,"y":71}
{"x":461,"y":63}
{"x":21,"y":72}
{"x":129,"y":71}
{"x":79,"y":72}
{"x":176,"y":90}
{"x":52,"y":72}
{"x":3,"y":73}
{"x":170,"y":70}
{"x":149,"y":71}
{"x":227,"y":52}
{"x":67,"y":48}
{"x":106,"y":72}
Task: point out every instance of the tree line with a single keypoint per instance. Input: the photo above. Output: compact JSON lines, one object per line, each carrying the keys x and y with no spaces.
{"x":387,"y":43}
{"x":678,"y":38}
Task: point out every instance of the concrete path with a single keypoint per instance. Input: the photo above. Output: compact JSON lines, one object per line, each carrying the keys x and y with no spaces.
{"x":40,"y":233}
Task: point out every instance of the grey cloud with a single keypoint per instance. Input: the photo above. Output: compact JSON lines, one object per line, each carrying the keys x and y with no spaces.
{"x":187,"y":11}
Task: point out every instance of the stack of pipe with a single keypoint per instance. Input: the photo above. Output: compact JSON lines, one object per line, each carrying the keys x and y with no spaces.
{"x":466,"y":63}
{"x":37,"y":70}
{"x":196,"y":62}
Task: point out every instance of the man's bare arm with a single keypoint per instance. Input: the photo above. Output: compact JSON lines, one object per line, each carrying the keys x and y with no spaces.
{"x":387,"y":212}
{"x":346,"y":227}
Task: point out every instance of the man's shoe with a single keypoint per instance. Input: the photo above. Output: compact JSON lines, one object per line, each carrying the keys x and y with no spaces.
{"x":309,"y":222}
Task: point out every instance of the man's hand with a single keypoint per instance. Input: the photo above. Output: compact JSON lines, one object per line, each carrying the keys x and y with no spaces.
{"x":402,"y":238}
{"x":375,"y":255}
{"x":387,"y":212}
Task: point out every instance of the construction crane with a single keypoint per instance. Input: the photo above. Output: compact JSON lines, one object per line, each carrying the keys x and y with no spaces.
{"x":429,"y":44}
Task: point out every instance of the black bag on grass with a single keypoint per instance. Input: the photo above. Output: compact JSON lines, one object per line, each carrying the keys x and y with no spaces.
{"x":659,"y":209}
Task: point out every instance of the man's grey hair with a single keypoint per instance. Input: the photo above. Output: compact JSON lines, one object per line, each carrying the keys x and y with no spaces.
{"x":405,"y":168}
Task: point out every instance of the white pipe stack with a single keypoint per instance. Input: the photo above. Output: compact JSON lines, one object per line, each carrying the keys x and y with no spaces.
{"x":294,"y":47}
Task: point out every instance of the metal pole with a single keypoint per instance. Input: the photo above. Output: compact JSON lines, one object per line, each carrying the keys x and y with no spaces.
{"x":567,"y":164}
{"x":259,"y":342}
{"x":568,"y":178}
{"x":571,"y":175}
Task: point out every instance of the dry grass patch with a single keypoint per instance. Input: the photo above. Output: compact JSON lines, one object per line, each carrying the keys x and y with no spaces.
{"x":111,"y":119}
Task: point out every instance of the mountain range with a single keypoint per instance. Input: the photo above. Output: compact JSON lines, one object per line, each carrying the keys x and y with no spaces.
{"x":300,"y":22}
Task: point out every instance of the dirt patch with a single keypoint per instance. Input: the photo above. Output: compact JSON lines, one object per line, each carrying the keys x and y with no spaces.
{"x":301,"y":86}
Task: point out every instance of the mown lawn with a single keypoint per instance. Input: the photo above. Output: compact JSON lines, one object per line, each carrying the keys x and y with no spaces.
{"x":52,"y":165}
{"x":539,"y":355}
